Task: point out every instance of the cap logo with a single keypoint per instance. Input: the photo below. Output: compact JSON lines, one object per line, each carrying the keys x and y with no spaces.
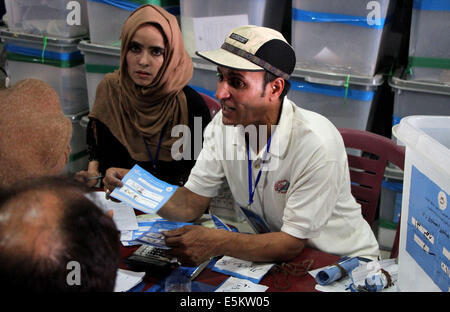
{"x":239,"y":38}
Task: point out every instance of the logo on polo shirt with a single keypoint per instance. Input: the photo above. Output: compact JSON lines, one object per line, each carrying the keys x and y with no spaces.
{"x":282,"y":186}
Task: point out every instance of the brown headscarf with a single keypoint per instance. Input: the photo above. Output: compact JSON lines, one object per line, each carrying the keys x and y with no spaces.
{"x":134,"y":114}
{"x":34,"y":133}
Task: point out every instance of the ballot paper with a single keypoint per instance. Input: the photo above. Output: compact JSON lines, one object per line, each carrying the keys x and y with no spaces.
{"x":144,"y":221}
{"x":233,"y":284}
{"x":243,"y":269}
{"x":124,"y":216}
{"x":125,"y":280}
{"x":143,"y":191}
{"x":153,"y":236}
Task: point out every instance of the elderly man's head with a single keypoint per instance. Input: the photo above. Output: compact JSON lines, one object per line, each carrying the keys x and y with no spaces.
{"x":53,"y":238}
{"x":35,"y":134}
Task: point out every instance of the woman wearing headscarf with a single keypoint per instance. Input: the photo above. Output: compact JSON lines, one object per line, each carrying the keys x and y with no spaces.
{"x":34,"y":133}
{"x":137,"y":106}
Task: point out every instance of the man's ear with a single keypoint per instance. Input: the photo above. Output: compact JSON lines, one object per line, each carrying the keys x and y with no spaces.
{"x":67,"y":153}
{"x":277,"y":87}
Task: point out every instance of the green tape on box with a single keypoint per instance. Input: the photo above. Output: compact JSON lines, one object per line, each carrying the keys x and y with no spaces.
{"x":387,"y":224}
{"x":100,"y":69}
{"x":31,"y":59}
{"x":79,"y":155}
{"x":429,"y":62}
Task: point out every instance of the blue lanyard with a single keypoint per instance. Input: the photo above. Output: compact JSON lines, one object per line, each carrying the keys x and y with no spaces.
{"x":154,"y":161}
{"x":251,"y":191}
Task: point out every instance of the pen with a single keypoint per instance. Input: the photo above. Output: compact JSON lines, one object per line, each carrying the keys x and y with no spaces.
{"x":95,"y":178}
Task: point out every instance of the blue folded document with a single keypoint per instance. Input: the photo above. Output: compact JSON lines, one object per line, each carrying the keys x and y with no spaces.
{"x":332,"y":273}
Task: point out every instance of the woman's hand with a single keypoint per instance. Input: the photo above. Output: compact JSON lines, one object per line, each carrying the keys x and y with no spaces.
{"x":113,"y":178}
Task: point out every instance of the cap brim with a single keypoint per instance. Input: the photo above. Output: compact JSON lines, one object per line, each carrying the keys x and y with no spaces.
{"x":224,"y":58}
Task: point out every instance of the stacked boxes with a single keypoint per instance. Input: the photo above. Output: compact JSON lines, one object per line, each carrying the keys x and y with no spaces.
{"x":348,"y":102}
{"x":340,"y":49}
{"x":99,"y":60}
{"x":429,"y":46}
{"x":204,"y":78}
{"x":55,"y":61}
{"x":346,"y":36}
{"x":418,"y":97}
{"x":42,"y":43}
{"x":106,"y":17}
{"x":206,"y":23}
{"x":54,"y":18}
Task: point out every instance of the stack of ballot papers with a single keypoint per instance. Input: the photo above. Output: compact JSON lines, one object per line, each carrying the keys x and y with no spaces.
{"x":245,"y":275}
{"x":124,"y":216}
{"x":234,"y":284}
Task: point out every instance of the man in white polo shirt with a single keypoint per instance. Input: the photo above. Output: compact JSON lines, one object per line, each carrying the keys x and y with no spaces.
{"x":286,"y":166}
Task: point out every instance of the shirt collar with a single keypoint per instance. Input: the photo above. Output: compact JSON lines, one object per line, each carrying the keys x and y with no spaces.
{"x":280,"y":137}
{"x":282,"y":134}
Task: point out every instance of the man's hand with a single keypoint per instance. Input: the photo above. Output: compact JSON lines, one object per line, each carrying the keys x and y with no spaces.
{"x":193,"y":244}
{"x":91,"y":176}
{"x":87,"y":177}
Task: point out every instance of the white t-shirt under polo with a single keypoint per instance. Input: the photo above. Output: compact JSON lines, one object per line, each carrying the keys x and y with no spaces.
{"x":304,"y":189}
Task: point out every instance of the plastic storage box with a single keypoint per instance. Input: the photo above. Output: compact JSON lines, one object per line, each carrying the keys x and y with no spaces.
{"x":418,"y":97}
{"x":99,"y":61}
{"x":348,"y":102}
{"x":78,"y":158}
{"x":205,"y":24}
{"x":390,"y":206}
{"x":347,"y":35}
{"x":424,"y":257}
{"x":429,"y":45}
{"x":107,"y":17}
{"x":54,"y":60}
{"x":204,"y":78}
{"x":57,"y":18}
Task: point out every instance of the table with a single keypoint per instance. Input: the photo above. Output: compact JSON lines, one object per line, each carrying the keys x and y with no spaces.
{"x":304,"y":283}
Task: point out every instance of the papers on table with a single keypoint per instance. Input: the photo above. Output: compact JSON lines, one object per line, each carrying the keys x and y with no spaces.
{"x":234,"y":284}
{"x":153,"y":236}
{"x":143,"y":191}
{"x":124,"y":216}
{"x":145,"y":221}
{"x":242,"y":269}
{"x":357,"y":277}
{"x":149,"y":231}
{"x":125,"y":280}
{"x":361,"y":274}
